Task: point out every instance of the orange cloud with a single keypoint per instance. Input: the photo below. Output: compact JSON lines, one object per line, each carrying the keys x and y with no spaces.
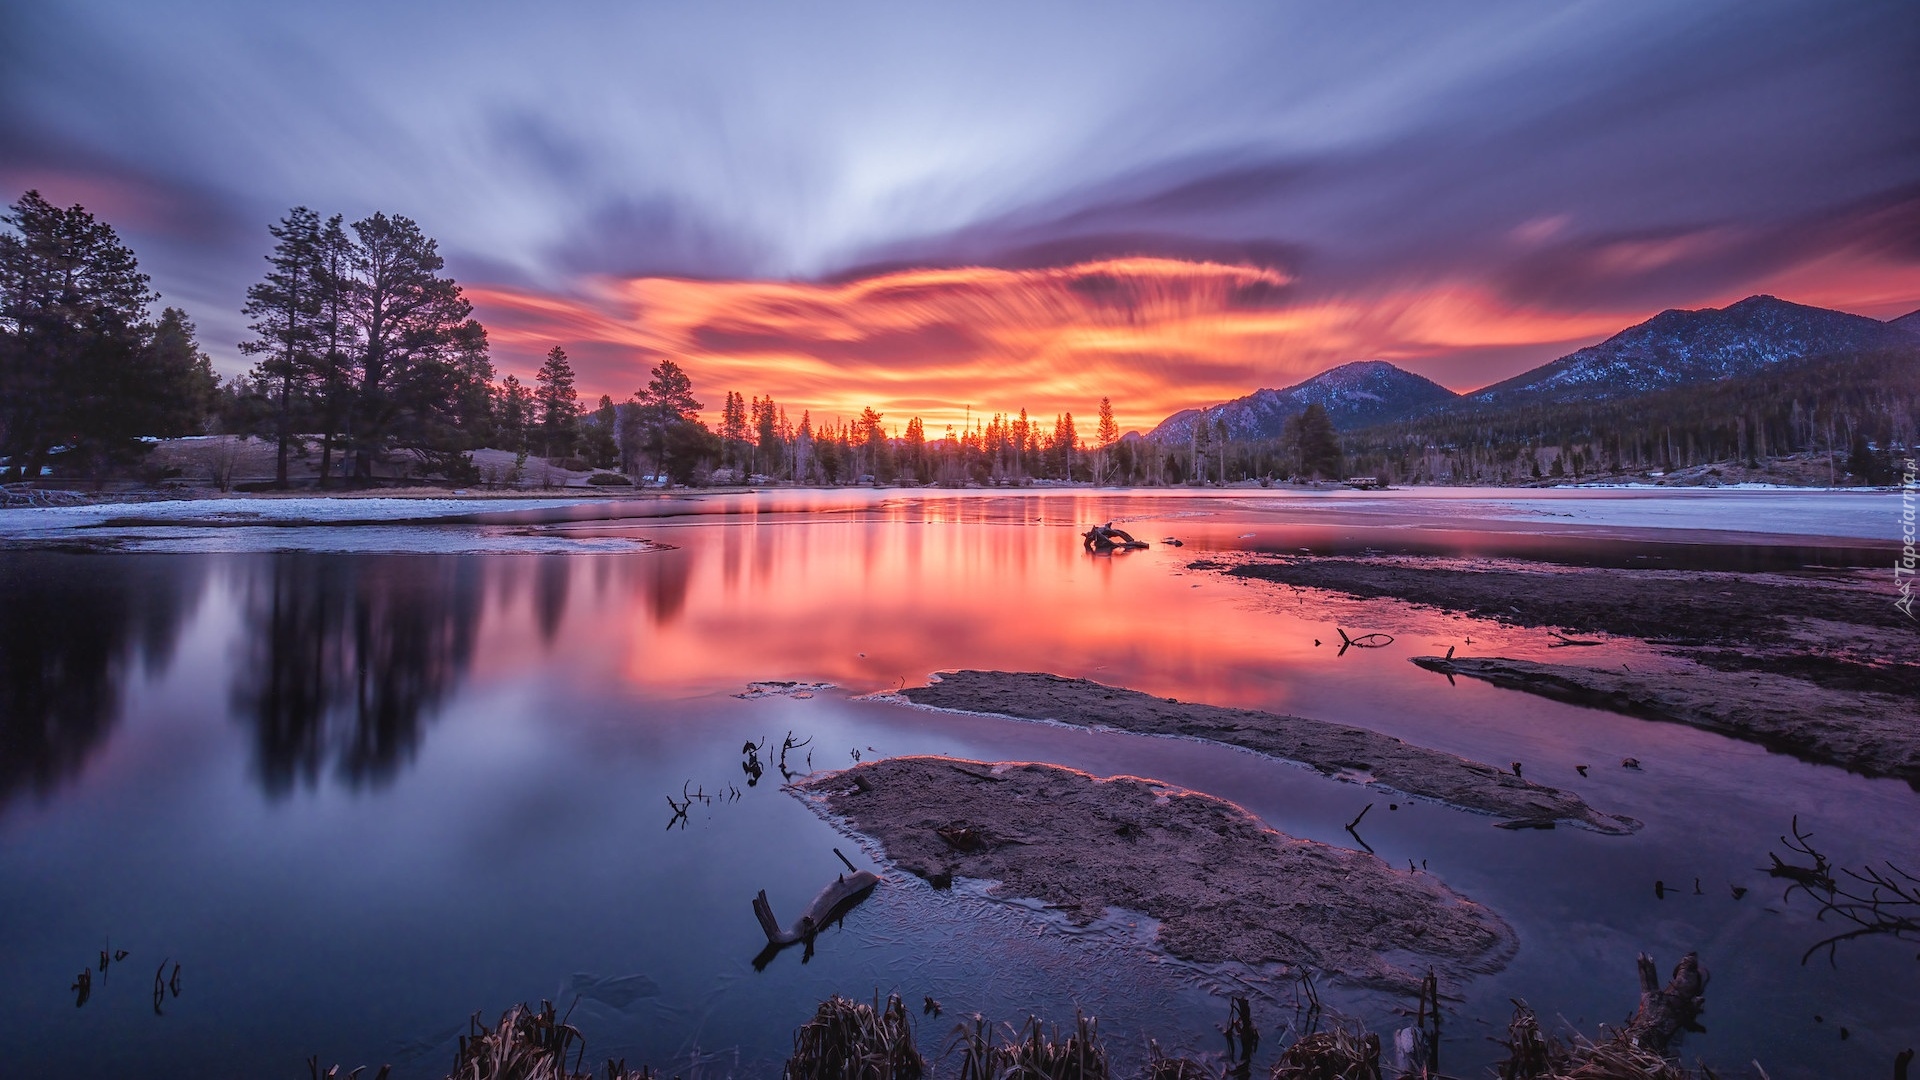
{"x":1156,"y":335}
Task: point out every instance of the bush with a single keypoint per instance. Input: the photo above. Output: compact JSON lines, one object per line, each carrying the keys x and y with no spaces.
{"x":609,"y":479}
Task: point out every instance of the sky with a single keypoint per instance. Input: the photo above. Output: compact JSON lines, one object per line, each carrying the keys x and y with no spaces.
{"x":942,"y":210}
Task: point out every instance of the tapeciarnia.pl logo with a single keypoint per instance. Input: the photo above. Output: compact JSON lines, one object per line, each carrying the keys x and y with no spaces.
{"x":1903,"y":566}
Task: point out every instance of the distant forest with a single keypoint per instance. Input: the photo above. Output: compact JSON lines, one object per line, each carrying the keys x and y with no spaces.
{"x":363,"y":346}
{"x":1857,"y":409}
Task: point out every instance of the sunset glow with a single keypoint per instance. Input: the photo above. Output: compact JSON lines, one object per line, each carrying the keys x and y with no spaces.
{"x":1156,"y":335}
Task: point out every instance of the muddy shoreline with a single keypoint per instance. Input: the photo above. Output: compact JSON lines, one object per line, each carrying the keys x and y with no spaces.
{"x":1222,"y":886}
{"x":1817,"y":664}
{"x":1333,"y":749}
{"x":1871,"y":734}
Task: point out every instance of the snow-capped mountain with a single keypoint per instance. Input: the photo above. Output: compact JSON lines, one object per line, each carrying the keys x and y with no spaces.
{"x":1354,"y":395}
{"x":1678,"y":347}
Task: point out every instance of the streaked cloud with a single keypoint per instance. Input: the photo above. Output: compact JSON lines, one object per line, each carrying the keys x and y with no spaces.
{"x":1465,"y":187}
{"x":1156,"y":335}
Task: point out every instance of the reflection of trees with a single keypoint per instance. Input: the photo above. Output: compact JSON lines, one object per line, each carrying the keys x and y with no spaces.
{"x":663,"y":577}
{"x":346,"y":655}
{"x":550,"y":593}
{"x":71,"y":627}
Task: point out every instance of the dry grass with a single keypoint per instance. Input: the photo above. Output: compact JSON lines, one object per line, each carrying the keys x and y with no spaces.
{"x":1035,"y":1052}
{"x":1534,"y":1055}
{"x":1338,"y":1053}
{"x":851,"y":1040}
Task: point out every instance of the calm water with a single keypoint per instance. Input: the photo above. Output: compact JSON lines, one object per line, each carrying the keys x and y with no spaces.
{"x":358,"y":797}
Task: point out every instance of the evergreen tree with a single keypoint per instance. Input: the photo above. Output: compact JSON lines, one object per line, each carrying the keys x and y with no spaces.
{"x":474,"y":364}
{"x":597,"y":435}
{"x":558,"y":403}
{"x":408,"y":320}
{"x":334,"y":360}
{"x":180,"y":382}
{"x":873,"y":445}
{"x":1318,"y":447}
{"x":286,"y":308}
{"x":666,"y":409}
{"x":914,"y":449}
{"x":515,"y":411}
{"x":72,"y":307}
{"x":733,"y":431}
{"x":769,"y":443}
{"x":1108,"y":431}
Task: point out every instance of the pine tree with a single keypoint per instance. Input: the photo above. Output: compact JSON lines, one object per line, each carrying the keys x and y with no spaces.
{"x":1063,"y":443}
{"x":515,"y":411}
{"x":558,"y":404}
{"x":914,"y":447}
{"x":767,"y":437}
{"x":1319,"y":446}
{"x":873,"y":441}
{"x":408,"y":320}
{"x":1108,"y":433}
{"x":334,"y":360}
{"x":286,"y":310}
{"x":665,"y":407}
{"x":72,"y":307}
{"x":180,"y":381}
{"x":733,"y":430}
{"x":597,"y":441}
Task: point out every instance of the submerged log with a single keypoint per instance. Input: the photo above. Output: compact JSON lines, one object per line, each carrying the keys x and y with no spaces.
{"x":844,"y":892}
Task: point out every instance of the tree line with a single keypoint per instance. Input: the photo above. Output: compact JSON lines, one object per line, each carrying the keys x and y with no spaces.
{"x":86,"y":371}
{"x":365,"y":347}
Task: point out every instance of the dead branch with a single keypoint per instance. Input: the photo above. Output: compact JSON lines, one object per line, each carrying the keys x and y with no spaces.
{"x":1874,"y":900}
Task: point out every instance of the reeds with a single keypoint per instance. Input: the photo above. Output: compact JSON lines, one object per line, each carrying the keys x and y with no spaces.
{"x":852,"y":1040}
{"x":1534,"y":1055}
{"x":529,"y":1045}
{"x":1035,"y":1052}
{"x":1341,"y":1052}
{"x":524,"y":1045}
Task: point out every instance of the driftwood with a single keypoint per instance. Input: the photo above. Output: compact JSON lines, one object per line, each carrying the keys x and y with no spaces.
{"x":842,"y":893}
{"x":1107,"y":538}
{"x":1665,"y":1012}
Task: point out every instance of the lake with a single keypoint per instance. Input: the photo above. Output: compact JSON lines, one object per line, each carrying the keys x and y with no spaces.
{"x":359,"y":795}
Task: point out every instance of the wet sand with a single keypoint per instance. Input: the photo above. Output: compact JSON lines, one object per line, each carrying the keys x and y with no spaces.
{"x":1334,"y":749}
{"x":1223,"y":887}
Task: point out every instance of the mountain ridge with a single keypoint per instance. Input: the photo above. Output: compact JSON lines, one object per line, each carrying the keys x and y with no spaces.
{"x":1677,"y":347}
{"x":1681,"y":346}
{"x":1355,"y":394}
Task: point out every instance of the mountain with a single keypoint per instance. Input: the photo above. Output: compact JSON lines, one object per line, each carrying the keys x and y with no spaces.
{"x":1678,"y":347}
{"x":1910,"y":322}
{"x":1354,"y":395}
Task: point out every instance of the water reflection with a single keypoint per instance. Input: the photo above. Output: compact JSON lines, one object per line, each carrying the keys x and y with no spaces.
{"x":345,"y":659}
{"x":71,"y":629}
